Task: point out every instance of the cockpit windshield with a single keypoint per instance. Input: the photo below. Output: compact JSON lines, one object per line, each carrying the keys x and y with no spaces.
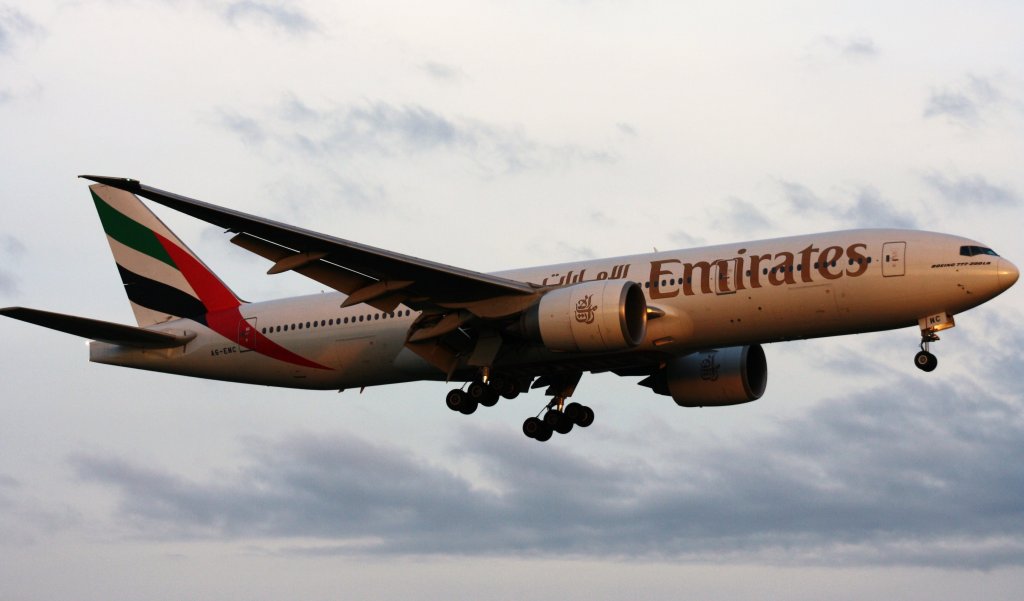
{"x":970,"y":251}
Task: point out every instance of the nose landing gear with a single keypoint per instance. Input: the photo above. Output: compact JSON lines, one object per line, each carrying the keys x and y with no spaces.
{"x":930,"y":326}
{"x":924,"y":360}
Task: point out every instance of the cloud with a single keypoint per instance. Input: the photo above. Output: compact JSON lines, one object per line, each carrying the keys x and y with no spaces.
{"x":385,"y":129}
{"x":626,"y":129}
{"x":850,"y":48}
{"x":443,"y":73}
{"x":915,"y":472}
{"x":871,"y":210}
{"x":966,"y":103}
{"x":868,"y":209}
{"x":971,"y":190}
{"x":282,"y":16}
{"x":11,"y":249}
{"x":244,"y":127}
{"x":742,"y":216}
{"x":14,"y":26}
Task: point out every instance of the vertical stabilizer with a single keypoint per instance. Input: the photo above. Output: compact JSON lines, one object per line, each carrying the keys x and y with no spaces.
{"x":162,"y":277}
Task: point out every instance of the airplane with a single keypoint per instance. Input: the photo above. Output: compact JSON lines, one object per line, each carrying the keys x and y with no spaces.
{"x":689,"y":322}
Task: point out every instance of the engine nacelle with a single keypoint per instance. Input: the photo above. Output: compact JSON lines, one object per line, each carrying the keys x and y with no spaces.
{"x":601,"y":315}
{"x":728,"y":376}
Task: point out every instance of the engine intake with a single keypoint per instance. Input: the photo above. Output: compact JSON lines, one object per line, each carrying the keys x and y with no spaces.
{"x":603,"y":315}
{"x":715,"y":378}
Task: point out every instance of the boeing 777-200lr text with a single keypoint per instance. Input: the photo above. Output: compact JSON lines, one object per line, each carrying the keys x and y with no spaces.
{"x":690,"y":322}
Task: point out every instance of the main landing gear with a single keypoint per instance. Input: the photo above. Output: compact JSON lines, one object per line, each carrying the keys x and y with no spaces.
{"x":481,"y":392}
{"x":558,"y":417}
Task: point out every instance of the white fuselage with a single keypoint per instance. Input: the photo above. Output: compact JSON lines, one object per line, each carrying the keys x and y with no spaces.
{"x":754,"y":292}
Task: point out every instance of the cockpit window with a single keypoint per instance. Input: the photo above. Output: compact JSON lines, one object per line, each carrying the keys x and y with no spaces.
{"x":970,"y":251}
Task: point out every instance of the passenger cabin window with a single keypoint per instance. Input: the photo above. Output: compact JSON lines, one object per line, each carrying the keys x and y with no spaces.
{"x":970,"y":251}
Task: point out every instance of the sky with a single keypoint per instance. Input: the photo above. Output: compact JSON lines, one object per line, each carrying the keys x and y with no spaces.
{"x":495,"y":135}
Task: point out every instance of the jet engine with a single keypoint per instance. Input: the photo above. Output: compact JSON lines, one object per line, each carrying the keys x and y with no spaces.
{"x":601,"y":315}
{"x":715,"y":378}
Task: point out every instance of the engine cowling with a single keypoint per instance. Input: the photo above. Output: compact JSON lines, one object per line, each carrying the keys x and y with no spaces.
{"x":719,"y":377}
{"x":601,"y":315}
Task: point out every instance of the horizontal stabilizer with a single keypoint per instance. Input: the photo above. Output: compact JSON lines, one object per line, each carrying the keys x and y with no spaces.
{"x":94,"y":329}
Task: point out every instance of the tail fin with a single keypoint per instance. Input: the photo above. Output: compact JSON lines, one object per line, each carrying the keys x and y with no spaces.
{"x":162,"y":277}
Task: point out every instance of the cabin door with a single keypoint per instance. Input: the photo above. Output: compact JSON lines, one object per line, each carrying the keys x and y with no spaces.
{"x":894,"y":258}
{"x":247,"y":335}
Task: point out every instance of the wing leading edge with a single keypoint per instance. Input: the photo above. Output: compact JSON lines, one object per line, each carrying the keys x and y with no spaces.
{"x":95,"y":329}
{"x":367,"y":274}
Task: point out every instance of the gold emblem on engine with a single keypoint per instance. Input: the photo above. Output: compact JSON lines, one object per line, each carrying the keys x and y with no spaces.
{"x":709,"y":367}
{"x":585,"y":309}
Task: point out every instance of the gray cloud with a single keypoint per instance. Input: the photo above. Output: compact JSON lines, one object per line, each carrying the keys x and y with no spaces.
{"x":11,"y":249}
{"x":971,"y":190}
{"x":687,"y":240}
{"x":626,"y":128}
{"x":916,"y":472}
{"x":250,"y":132}
{"x":869,"y":208}
{"x":14,"y":26}
{"x":826,"y":49}
{"x":384,"y":128}
{"x":966,"y":103}
{"x":742,"y":216}
{"x":852,"y":47}
{"x":282,"y":16}
{"x":442,"y":72}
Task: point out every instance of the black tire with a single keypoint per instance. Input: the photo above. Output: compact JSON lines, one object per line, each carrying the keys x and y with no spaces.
{"x":482,"y":393}
{"x":508,"y":389}
{"x":586,"y":417}
{"x":456,"y":399}
{"x":545,"y":433}
{"x":532,"y":427}
{"x":477,"y":390}
{"x":558,"y":421}
{"x":573,"y":412}
{"x":926,"y":361}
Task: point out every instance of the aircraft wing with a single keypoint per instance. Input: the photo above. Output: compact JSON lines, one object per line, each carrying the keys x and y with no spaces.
{"x":378,"y":277}
{"x":94,"y":329}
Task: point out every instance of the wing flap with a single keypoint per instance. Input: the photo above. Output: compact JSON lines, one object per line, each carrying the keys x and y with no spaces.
{"x":94,"y":329}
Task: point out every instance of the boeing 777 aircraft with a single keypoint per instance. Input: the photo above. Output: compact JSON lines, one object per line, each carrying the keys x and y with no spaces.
{"x":688,"y":322}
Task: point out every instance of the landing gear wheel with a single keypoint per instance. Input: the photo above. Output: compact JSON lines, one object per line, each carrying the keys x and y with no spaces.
{"x":558,"y":421}
{"x":456,"y":399}
{"x":586,"y":417}
{"x":925,"y":361}
{"x":482,"y":393}
{"x":460,"y":401}
{"x":581,"y":415}
{"x":536,"y":429}
{"x":508,"y":389}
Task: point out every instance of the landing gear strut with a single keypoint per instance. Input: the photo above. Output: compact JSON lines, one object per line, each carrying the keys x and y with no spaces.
{"x":924,"y":360}
{"x":930,"y":326}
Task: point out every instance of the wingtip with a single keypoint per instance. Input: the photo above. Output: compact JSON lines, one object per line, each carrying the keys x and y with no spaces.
{"x":123,"y":183}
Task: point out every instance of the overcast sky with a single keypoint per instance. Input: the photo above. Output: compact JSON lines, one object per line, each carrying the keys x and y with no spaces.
{"x":494,"y":135}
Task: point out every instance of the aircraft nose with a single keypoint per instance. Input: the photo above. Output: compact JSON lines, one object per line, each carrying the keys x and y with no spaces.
{"x":1008,"y":274}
